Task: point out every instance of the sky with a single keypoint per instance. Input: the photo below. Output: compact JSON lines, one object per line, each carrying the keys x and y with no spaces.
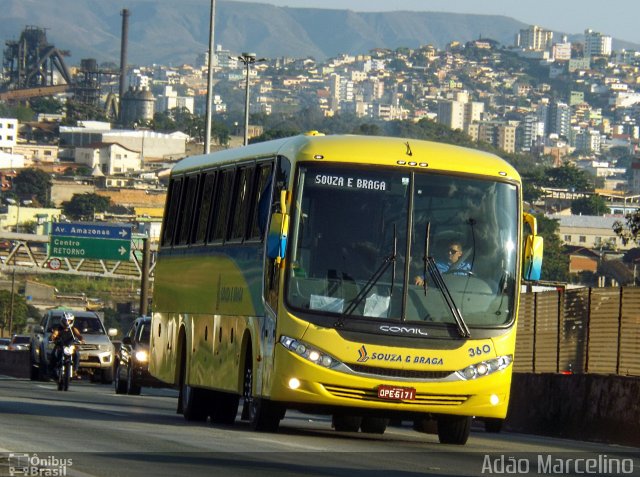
{"x":567,"y":16}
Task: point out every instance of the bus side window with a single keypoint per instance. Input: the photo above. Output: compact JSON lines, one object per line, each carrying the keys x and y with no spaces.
{"x":206,"y":205}
{"x":241,"y":200}
{"x":185,"y":214}
{"x":261,"y":202}
{"x":222,"y":205}
{"x":171,"y":210}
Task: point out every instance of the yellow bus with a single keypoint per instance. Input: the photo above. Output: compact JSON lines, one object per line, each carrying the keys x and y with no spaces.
{"x":315,"y":273}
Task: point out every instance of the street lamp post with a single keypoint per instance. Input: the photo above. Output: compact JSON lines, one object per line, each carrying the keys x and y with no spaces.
{"x":15,"y":256}
{"x":248,"y":59}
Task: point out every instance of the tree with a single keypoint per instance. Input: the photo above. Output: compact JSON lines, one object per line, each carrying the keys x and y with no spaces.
{"x":85,"y":206}
{"x":33,"y":184}
{"x":630,"y":230}
{"x":591,"y":205}
{"x":570,"y":177}
{"x":555,"y":263}
{"x":20,"y":311}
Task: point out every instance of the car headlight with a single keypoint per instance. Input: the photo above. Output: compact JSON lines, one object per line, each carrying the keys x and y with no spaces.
{"x":485,"y":368}
{"x":104,"y":347}
{"x":309,"y":353}
{"x":142,"y":356}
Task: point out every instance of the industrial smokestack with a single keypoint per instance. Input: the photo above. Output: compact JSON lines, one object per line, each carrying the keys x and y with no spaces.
{"x":123,"y":54}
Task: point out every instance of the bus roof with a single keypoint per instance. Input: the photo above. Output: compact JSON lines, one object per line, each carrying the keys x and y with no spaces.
{"x":389,"y":151}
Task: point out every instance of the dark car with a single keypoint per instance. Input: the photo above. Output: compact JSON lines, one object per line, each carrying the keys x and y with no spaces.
{"x":132,"y":360}
{"x":20,"y":343}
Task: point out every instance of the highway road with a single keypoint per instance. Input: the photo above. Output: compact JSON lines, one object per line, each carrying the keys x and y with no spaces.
{"x":91,"y":431}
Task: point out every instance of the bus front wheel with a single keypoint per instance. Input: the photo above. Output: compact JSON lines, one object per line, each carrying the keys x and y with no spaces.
{"x":454,"y":429}
{"x":262,"y":414}
{"x":346,"y":423}
{"x":374,"y":425}
{"x":193,"y":403}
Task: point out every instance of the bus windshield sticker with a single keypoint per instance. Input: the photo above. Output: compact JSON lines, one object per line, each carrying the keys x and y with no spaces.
{"x":347,"y":182}
{"x":326,"y":303}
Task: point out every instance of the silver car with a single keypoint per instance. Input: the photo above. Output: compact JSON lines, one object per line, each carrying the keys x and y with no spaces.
{"x":96,"y":353}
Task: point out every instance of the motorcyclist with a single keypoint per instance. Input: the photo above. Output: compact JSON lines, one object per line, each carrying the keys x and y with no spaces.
{"x":62,"y":336}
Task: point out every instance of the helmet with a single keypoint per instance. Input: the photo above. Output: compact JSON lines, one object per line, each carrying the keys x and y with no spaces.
{"x":67,"y":319}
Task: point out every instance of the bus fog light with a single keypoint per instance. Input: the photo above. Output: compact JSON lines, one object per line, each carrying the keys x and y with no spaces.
{"x":294,"y":383}
{"x":494,"y":400}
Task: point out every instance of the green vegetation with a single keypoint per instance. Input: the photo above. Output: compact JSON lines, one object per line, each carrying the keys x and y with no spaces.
{"x":85,"y":206}
{"x":33,"y":184}
{"x":21,"y":311}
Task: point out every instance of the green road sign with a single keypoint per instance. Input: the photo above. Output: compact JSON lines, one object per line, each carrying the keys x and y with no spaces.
{"x":96,"y":248}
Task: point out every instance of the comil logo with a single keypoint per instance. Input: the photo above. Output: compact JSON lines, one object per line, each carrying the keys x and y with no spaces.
{"x":363,"y":356}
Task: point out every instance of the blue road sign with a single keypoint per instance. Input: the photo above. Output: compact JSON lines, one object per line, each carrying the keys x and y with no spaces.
{"x":91,"y":230}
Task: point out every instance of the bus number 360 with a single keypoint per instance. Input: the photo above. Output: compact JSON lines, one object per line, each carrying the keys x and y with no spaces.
{"x":477,"y":351}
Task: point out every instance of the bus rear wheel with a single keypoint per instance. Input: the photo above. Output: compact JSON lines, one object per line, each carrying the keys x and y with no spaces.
{"x":193,"y":403}
{"x":454,"y":429}
{"x":223,"y":408}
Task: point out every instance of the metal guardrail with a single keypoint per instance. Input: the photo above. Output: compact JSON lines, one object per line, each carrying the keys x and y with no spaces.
{"x":586,"y":330}
{"x":27,"y":254}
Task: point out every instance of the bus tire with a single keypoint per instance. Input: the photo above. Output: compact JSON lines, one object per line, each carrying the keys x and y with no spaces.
{"x":346,"y":423}
{"x":223,"y":408}
{"x":265,"y":415}
{"x":454,"y":429}
{"x":262,"y":414}
{"x":374,"y":425}
{"x":193,"y":403}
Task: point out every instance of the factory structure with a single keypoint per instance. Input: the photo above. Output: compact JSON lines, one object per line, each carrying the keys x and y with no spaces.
{"x":33,"y":67}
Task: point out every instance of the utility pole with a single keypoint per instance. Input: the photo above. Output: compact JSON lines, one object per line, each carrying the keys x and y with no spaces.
{"x":207,"y":133}
{"x":144,"y":280}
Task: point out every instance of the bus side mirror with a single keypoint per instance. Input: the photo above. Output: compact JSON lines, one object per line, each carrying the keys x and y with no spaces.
{"x":532,"y":265}
{"x":277,"y":236}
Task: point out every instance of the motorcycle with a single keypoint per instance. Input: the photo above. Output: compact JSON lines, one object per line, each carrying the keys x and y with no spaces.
{"x":65,"y":366}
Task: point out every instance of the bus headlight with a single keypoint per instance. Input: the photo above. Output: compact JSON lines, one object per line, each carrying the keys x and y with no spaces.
{"x":485,"y":368}
{"x":309,"y":353}
{"x":142,"y":356}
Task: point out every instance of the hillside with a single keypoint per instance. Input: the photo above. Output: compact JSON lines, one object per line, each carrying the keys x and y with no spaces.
{"x":175,"y":32}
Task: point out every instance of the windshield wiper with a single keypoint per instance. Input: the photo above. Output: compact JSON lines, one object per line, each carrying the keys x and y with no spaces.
{"x":388,"y":261}
{"x":430,"y":265}
{"x":463,"y":329}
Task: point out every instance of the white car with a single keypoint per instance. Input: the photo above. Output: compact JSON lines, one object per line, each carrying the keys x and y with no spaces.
{"x":97,"y":353}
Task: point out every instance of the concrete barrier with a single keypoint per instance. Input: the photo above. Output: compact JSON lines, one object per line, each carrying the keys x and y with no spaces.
{"x":15,"y":363}
{"x":587,"y":407}
{"x":579,"y":406}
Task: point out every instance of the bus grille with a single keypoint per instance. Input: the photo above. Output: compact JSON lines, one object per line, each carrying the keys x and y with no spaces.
{"x":423,"y":399}
{"x":399,"y":373}
{"x":88,"y":347}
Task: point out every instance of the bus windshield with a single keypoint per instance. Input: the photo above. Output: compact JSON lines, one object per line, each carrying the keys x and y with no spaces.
{"x":360,"y":239}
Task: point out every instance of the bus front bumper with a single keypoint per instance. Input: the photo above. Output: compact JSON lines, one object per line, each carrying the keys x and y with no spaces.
{"x":299,"y":381}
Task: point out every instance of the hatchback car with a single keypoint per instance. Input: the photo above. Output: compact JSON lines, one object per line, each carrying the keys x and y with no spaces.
{"x":132,"y":360}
